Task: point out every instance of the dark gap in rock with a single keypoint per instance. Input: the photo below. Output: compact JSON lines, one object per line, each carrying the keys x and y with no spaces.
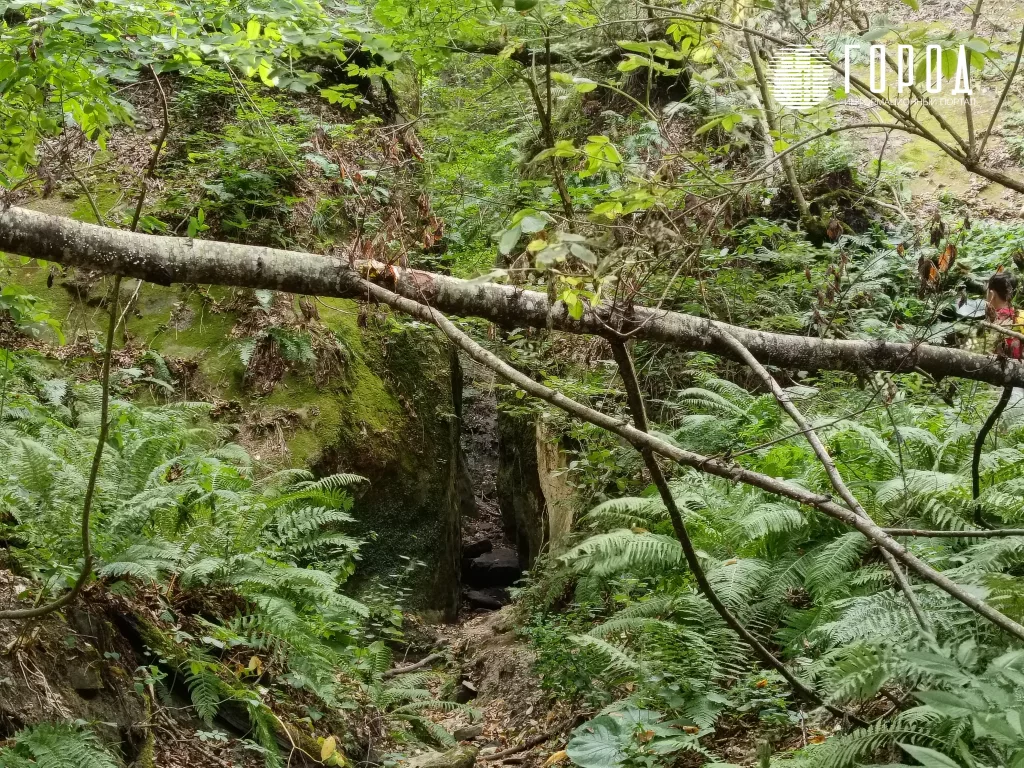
{"x":490,"y":559}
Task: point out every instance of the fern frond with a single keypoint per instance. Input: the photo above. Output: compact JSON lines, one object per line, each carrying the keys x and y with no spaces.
{"x":619,"y":663}
{"x":56,"y":746}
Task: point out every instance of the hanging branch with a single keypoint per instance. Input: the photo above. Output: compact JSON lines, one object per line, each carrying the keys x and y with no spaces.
{"x":784,"y":400}
{"x":1002,"y":96}
{"x":706,"y":464}
{"x":1004,"y":399}
{"x":90,"y":489}
{"x":986,"y":533}
{"x":112,"y":323}
{"x":772,"y":117}
{"x":144,"y":184}
{"x":155,"y":158}
{"x":639,"y":413}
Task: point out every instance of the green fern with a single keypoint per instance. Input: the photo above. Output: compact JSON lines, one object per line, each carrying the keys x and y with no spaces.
{"x":56,"y":746}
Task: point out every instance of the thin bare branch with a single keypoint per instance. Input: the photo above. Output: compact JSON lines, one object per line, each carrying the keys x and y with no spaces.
{"x":639,"y":413}
{"x":90,"y":489}
{"x":985,"y":533}
{"x":1002,"y":97}
{"x":784,"y":400}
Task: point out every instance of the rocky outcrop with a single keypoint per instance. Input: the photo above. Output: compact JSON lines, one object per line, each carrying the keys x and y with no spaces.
{"x":413,"y":505}
{"x":497,"y":568}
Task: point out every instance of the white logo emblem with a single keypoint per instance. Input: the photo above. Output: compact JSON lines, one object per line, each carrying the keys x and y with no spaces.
{"x":800,"y":77}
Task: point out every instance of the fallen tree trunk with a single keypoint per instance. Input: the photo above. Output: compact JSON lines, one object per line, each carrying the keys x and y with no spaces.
{"x":166,"y":260}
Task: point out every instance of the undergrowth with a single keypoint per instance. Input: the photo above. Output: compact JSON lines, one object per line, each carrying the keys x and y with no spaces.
{"x":618,"y":621}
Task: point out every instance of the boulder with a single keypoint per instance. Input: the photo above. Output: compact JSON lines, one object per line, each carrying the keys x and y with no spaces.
{"x":485,"y":599}
{"x":498,"y":568}
{"x":474,"y":549}
{"x":468,"y":732}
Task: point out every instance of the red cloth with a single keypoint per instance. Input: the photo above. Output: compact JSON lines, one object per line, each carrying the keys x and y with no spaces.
{"x":1012,"y":346}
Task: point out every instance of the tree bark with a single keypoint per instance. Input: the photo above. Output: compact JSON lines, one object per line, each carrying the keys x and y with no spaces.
{"x":166,"y":260}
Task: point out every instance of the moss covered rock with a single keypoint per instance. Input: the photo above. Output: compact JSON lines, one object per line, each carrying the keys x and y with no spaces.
{"x":386,"y":412}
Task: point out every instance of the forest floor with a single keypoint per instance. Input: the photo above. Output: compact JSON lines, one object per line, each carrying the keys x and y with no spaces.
{"x":84,"y":667}
{"x":520,"y":723}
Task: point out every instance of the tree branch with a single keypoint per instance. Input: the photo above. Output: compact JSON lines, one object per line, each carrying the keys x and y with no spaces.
{"x":155,"y":157}
{"x":784,"y":400}
{"x":426,"y":661}
{"x":985,"y":533}
{"x":776,"y":127}
{"x":166,"y":260}
{"x":525,"y":56}
{"x":643,"y":440}
{"x":639,"y":413}
{"x":90,"y":489}
{"x":1002,"y":96}
{"x":979,"y":442}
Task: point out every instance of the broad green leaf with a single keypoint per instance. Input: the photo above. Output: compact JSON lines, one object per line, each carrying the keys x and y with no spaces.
{"x":610,"y":209}
{"x":947,"y":703}
{"x":509,"y":238}
{"x":583,"y":253}
{"x":876,"y":33}
{"x":632,"y":62}
{"x":329,"y":747}
{"x":707,"y":126}
{"x":929,"y":758}
{"x":730,"y":120}
{"x":532,"y":223}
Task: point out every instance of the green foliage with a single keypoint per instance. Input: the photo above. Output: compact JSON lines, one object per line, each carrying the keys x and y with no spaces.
{"x":56,"y":746}
{"x":406,"y":697}
{"x":813,"y":590}
{"x":628,"y":737}
{"x":178,"y":506}
{"x":21,"y":306}
{"x":71,"y":75}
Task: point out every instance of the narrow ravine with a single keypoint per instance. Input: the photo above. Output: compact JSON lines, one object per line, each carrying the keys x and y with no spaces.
{"x":490,"y":561}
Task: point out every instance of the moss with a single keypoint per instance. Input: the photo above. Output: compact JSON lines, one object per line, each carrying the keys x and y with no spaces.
{"x":206,"y":339}
{"x":371,"y":405}
{"x":388,"y":417}
{"x":321,"y":411}
{"x":409,"y":455}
